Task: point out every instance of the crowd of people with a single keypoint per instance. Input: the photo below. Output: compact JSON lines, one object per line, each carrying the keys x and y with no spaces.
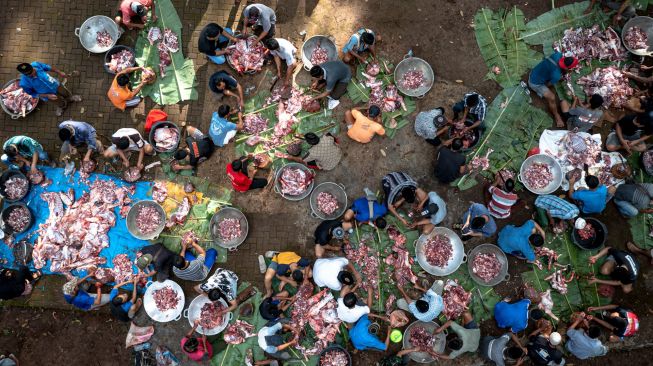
{"x":451,"y":131}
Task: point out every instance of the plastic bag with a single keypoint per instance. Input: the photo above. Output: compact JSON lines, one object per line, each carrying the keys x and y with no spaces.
{"x":165,"y":358}
{"x":138,"y":335}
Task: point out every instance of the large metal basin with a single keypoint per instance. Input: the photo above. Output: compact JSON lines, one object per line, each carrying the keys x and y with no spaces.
{"x":309,"y":46}
{"x":414,"y":63}
{"x":87,"y":33}
{"x":646,"y":23}
{"x":131,"y":220}
{"x":501,"y":256}
{"x":457,"y":258}
{"x":555,"y":167}
{"x":228,"y":213}
{"x":438,"y":347}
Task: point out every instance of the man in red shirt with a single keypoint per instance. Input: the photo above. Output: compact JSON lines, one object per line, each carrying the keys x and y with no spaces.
{"x":238,"y":173}
{"x":133,"y":13}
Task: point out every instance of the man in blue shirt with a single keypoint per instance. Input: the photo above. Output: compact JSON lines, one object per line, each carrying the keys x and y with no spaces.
{"x":515,"y":240}
{"x":359,"y":42}
{"x":583,"y":344}
{"x":362,"y":339}
{"x":426,"y":308}
{"x":222,"y":130}
{"x":75,"y":134}
{"x":512,"y":315}
{"x":591,"y":200}
{"x":547,"y":73}
{"x":366,"y":210}
{"x":39,"y":84}
{"x":478,"y":222}
{"x":82,"y":299}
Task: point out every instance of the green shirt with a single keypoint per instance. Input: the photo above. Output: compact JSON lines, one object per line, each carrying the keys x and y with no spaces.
{"x":26,"y":146}
{"x":470,"y":338}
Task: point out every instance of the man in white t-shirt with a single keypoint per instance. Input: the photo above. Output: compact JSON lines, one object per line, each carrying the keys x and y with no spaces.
{"x":335,"y":272}
{"x":128,"y":139}
{"x":282,"y":49}
{"x":350,"y":308}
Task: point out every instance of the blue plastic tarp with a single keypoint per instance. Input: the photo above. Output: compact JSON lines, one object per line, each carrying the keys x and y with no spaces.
{"x":120,"y":240}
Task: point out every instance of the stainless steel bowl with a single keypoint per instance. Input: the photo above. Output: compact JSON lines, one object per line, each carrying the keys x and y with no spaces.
{"x":131,"y":220}
{"x":309,"y":46}
{"x":12,"y":113}
{"x":457,"y":258}
{"x":150,"y":306}
{"x":277,"y":182}
{"x":195,"y":309}
{"x":228,"y":213}
{"x":438,"y":347}
{"x":646,"y":23}
{"x":555,"y":168}
{"x":87,"y":33}
{"x":161,"y":124}
{"x":338,"y":191}
{"x":414,"y":63}
{"x":501,"y":256}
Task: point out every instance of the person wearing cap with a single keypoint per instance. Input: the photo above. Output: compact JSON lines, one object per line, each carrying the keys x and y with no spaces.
{"x":592,"y":200}
{"x":334,"y":273}
{"x":282,"y":266}
{"x":36,"y":82}
{"x":473,"y":108}
{"x":221,"y":129}
{"x":367,"y":209}
{"x":634,"y":198}
{"x":550,"y":207}
{"x":199,"y":148}
{"x":222,"y":83}
{"x":325,"y":232}
{"x":159,"y":257}
{"x":81,"y":299}
{"x":350,"y":307}
{"x":622,"y":267}
{"x":23,"y":151}
{"x":363,"y":40}
{"x":282,"y":49}
{"x":501,"y":198}
{"x":496,"y":349}
{"x":512,"y":315}
{"x":125,"y":140}
{"x":477,"y":222}
{"x":333,"y":76}
{"x":223,"y":284}
{"x":549,"y":72}
{"x":432,"y":124}
{"x":324,"y":153}
{"x":426,"y":308}
{"x":362,"y":128}
{"x":631,"y":133}
{"x":213,"y":42}
{"x":581,"y":116}
{"x":432,"y":210}
{"x":193,"y":267}
{"x":263,"y":21}
{"x":621,"y":321}
{"x":121,"y":94}
{"x":450,"y":162}
{"x":543,"y":351}
{"x":517,"y":240}
{"x":468,"y":335}
{"x":74,"y":135}
{"x":133,"y":13}
{"x":584,"y":344}
{"x":239,"y":173}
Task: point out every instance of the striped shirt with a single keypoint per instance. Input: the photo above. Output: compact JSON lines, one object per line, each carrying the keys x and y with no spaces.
{"x":501,"y":202}
{"x":196,"y":270}
{"x":393,"y":183}
{"x":557,"y":207}
{"x":479,"y":109}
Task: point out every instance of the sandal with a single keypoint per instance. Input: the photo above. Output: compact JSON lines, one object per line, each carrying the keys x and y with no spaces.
{"x":38,"y":276}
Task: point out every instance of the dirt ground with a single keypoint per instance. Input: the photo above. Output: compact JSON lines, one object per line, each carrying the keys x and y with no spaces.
{"x":437,"y":31}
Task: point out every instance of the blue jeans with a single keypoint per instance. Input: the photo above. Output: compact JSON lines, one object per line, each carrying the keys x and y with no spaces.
{"x":221,"y":59}
{"x":11,"y":162}
{"x":209,"y":258}
{"x":626,"y":208}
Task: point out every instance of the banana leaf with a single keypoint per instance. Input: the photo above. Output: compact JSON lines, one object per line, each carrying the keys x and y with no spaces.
{"x":512,"y":126}
{"x":234,"y":354}
{"x":497,"y":38}
{"x":552,"y":24}
{"x":640,"y":225}
{"x":179,"y":82}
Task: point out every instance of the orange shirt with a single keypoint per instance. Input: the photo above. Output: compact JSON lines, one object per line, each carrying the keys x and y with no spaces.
{"x":364,"y":129}
{"x":119,"y":95}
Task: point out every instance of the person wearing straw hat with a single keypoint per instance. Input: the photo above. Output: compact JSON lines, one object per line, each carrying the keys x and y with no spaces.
{"x":36,"y":82}
{"x":548,"y":73}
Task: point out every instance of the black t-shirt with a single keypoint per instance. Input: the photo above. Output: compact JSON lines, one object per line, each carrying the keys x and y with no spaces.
{"x":628,"y":260}
{"x":222,"y":76}
{"x":161,"y":257}
{"x":207,"y":46}
{"x":448,"y":165}
{"x":119,"y":312}
{"x":628,"y":127}
{"x":269,"y":309}
{"x":620,"y":322}
{"x":200,"y":150}
{"x":323,"y":234}
{"x":541,"y":352}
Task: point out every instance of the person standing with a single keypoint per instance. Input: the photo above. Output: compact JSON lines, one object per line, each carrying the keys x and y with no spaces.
{"x":36,"y":82}
{"x":548,"y":73}
{"x":23,"y":151}
{"x":213,"y":42}
{"x":282,"y":49}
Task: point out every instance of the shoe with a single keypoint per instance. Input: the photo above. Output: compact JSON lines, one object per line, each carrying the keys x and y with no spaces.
{"x":261,"y":264}
{"x":270,"y":254}
{"x":369,"y":194}
{"x":333,"y":103}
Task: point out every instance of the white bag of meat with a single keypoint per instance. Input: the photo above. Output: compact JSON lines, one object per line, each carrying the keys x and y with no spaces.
{"x":138,"y":335}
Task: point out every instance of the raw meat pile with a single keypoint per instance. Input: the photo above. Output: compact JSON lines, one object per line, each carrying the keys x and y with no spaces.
{"x":131,"y":174}
{"x":295,"y":181}
{"x":166,"y":138}
{"x":189,"y":187}
{"x":546,"y":304}
{"x":422,"y":339}
{"x":73,"y":237}
{"x":486,"y":266}
{"x":580,"y":150}
{"x":210,"y":316}
{"x":320,"y":55}
{"x":19,"y":218}
{"x":636,"y":39}
{"x":16,"y":100}
{"x":159,"y":191}
{"x":412,"y":79}
{"x":373,"y":69}
{"x":103,"y":39}
{"x":319,"y":312}
{"x":16,"y":187}
{"x":103,"y":275}
{"x":180,"y":215}
{"x":327,"y":203}
{"x":365,"y":259}
{"x":400,"y":259}
{"x":610,"y":83}
{"x":311,"y":106}
{"x":481,"y":162}
{"x":559,"y":282}
{"x":387,"y":99}
{"x":170,"y":40}
{"x":592,"y":43}
{"x":254,"y":123}
{"x":588,"y":232}
{"x":538,"y":175}
{"x":164,"y":58}
{"x":548,"y":253}
{"x":238,"y":332}
{"x":36,"y":177}
{"x":165,"y":298}
{"x":148,"y":75}
{"x":148,"y":220}
{"x":229,"y":229}
{"x":334,"y":358}
{"x":438,"y":250}
{"x":456,"y":300}
{"x":244,"y":57}
{"x":121,"y":60}
{"x":122,"y":268}
{"x":648,"y":159}
{"x":153,"y":35}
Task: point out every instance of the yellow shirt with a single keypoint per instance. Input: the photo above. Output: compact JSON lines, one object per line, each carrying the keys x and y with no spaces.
{"x":119,"y":95}
{"x":364,"y":129}
{"x":286,"y":258}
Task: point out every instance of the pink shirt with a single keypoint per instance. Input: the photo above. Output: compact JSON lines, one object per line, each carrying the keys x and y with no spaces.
{"x":126,"y":9}
{"x":198,"y":355}
{"x":501,"y":202}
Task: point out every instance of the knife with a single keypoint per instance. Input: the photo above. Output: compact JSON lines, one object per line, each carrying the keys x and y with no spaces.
{"x":480,"y":297}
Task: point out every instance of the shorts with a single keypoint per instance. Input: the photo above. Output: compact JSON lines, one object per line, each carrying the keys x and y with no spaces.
{"x":113,"y":149}
{"x":339,"y":90}
{"x":540,"y":90}
{"x":613,"y":140}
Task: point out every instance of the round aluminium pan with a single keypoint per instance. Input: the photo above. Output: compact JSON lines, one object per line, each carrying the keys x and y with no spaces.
{"x":311,"y":44}
{"x":87,"y":33}
{"x":458,"y":256}
{"x":229,"y":213}
{"x":163,"y":124}
{"x":646,"y":24}
{"x":555,"y":168}
{"x":8,"y":174}
{"x":131,"y":220}
{"x":438,"y":347}
{"x":335,"y":347}
{"x":335,"y":189}
{"x":11,"y":113}
{"x":5,"y":214}
{"x":150,"y":306}
{"x":501,"y":256}
{"x":414,"y":63}
{"x":194,"y":310}
{"x":299,"y":197}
